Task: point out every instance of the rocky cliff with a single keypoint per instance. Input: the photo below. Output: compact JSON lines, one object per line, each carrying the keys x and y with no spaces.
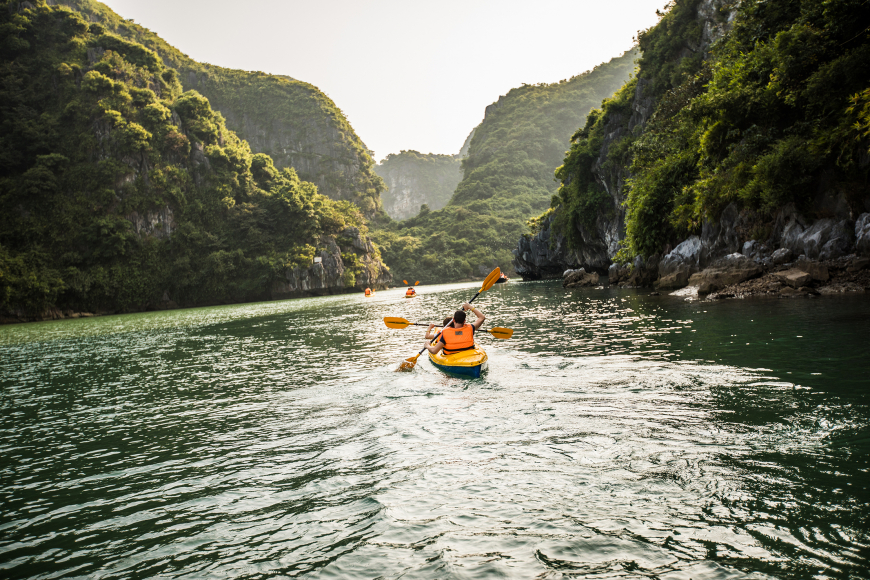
{"x":414,"y":179}
{"x":656,"y":190}
{"x":595,"y":241}
{"x":289,"y":120}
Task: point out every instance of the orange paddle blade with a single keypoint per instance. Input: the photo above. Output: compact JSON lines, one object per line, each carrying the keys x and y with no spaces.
{"x":417,"y":282}
{"x":408,"y":364}
{"x":405,"y":281}
{"x":503,"y":333}
{"x":394,"y":322}
{"x":490,"y":280}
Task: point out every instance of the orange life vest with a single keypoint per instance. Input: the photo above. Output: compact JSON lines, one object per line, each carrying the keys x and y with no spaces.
{"x":368,"y":291}
{"x":458,"y":339}
{"x":410,"y":292}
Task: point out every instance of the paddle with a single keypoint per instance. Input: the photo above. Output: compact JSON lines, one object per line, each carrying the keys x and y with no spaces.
{"x":400,"y":323}
{"x":408,"y":364}
{"x":406,"y":282}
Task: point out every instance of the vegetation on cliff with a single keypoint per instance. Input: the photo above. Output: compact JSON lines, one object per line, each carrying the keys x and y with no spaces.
{"x":507,"y":178}
{"x":289,"y":120}
{"x":415,"y":178}
{"x":776,"y":115}
{"x":119,"y":190}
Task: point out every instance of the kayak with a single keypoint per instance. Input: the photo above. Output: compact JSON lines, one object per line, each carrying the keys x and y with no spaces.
{"x":468,"y":363}
{"x":410,"y":295}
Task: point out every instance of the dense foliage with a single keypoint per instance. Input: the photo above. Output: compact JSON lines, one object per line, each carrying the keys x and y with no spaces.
{"x":508,"y":178}
{"x":431,"y":177}
{"x":96,"y":137}
{"x":777,"y":115}
{"x":289,"y":120}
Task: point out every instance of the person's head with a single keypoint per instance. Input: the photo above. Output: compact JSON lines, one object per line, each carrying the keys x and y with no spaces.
{"x":459,"y":317}
{"x":447,"y":321}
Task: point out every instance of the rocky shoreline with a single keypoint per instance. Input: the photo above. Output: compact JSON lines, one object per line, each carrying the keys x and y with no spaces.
{"x":736,"y":276}
{"x":798,"y":257}
{"x":327,"y":276}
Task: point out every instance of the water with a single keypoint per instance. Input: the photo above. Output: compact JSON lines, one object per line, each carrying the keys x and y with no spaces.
{"x":615,"y":435}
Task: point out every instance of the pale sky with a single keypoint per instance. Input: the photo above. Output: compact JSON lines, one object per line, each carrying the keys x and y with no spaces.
{"x":407,"y":74}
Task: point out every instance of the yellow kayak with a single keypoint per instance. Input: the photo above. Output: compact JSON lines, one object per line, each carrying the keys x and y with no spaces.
{"x":468,"y":363}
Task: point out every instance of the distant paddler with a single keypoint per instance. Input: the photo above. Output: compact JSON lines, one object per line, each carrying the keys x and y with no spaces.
{"x":369,"y":292}
{"x":410,"y":292}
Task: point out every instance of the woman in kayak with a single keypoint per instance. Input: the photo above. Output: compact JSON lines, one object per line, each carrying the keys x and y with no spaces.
{"x":430,"y":335}
{"x":459,"y":335}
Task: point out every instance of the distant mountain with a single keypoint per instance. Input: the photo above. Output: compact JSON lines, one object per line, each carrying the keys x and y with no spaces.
{"x":289,"y":120}
{"x":507,"y":179}
{"x":414,"y":179}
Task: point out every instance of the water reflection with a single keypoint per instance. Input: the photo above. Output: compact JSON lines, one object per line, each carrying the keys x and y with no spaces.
{"x":615,"y":435}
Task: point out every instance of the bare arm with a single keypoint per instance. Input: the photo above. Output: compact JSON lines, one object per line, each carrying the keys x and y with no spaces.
{"x":433,"y":348}
{"x":480,"y":317}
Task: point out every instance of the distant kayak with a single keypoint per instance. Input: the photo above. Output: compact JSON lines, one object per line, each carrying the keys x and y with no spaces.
{"x":467,"y":363}
{"x":411,"y":295}
{"x":502,"y":279}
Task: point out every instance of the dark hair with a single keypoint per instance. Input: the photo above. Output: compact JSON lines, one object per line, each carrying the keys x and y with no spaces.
{"x":459,"y":317}
{"x":447,"y":321}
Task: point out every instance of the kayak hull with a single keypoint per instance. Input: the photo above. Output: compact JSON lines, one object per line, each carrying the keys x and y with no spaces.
{"x":410,"y":295}
{"x":468,"y":363}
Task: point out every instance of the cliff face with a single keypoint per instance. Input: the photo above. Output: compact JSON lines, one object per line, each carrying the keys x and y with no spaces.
{"x":720,"y":161}
{"x":596,"y":241}
{"x":414,"y":179}
{"x":289,"y":120}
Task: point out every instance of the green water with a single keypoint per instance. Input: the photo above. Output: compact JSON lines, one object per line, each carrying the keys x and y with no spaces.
{"x":615,"y":435}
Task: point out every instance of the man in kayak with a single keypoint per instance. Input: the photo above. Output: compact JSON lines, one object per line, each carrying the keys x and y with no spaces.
{"x":410,"y":291}
{"x":459,"y":335}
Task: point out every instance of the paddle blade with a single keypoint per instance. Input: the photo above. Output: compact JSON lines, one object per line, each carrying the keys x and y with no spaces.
{"x":405,"y":281}
{"x":407,"y":364}
{"x":417,"y":282}
{"x":393,"y":322}
{"x":503,"y":333}
{"x":490,"y":280}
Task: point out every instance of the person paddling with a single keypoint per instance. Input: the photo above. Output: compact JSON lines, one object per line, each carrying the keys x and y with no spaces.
{"x":410,"y":291}
{"x":459,"y":335}
{"x":430,"y":334}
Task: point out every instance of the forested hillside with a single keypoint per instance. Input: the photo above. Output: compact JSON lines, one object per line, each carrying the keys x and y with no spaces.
{"x":507,"y":178}
{"x":120,"y":191}
{"x":414,"y":179}
{"x":289,"y":120}
{"x":768,"y":118}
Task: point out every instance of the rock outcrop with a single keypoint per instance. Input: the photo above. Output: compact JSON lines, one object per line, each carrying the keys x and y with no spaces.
{"x":578,"y":278}
{"x":329,"y":274}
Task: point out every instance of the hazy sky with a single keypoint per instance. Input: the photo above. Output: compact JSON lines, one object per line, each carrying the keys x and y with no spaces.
{"x":407,"y":74}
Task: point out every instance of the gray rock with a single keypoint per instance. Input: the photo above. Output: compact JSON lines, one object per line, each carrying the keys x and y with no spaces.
{"x":731,"y":269}
{"x":825,"y":239}
{"x":684,"y":258}
{"x":782,"y":256}
{"x":794,"y":278}
{"x":581,"y":278}
{"x":816,"y":270}
{"x":158,"y":223}
{"x":862,"y":234}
